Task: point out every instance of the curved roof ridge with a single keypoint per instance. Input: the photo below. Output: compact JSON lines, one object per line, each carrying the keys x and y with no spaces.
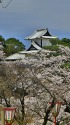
{"x":38,"y":34}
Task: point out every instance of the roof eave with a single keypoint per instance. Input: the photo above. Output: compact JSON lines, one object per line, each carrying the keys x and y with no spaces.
{"x":32,"y":38}
{"x":49,"y":37}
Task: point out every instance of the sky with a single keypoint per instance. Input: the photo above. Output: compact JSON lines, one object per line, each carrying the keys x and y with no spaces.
{"x":22,"y":17}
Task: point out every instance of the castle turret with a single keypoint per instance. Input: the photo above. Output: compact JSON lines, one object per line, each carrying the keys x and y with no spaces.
{"x":39,"y":39}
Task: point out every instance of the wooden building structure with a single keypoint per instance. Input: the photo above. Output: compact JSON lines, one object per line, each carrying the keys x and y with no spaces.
{"x":39,"y":39}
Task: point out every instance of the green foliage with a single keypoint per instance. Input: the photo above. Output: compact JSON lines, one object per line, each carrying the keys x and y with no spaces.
{"x":51,"y":48}
{"x":2,"y":39}
{"x":54,"y":49}
{"x":63,"y":41}
{"x":66,"y":65}
{"x":54,"y":41}
{"x":54,"y":54}
{"x":12,"y":46}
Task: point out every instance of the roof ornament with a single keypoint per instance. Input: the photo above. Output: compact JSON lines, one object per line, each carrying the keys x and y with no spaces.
{"x":1,"y":1}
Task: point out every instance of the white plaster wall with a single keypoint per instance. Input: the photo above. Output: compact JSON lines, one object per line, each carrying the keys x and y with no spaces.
{"x":38,"y":41}
{"x":45,"y":42}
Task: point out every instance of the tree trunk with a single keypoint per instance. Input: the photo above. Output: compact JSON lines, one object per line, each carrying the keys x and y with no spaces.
{"x":48,"y":112}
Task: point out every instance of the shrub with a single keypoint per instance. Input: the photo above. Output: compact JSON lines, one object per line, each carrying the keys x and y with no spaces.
{"x":51,"y":48}
{"x":66,"y":65}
